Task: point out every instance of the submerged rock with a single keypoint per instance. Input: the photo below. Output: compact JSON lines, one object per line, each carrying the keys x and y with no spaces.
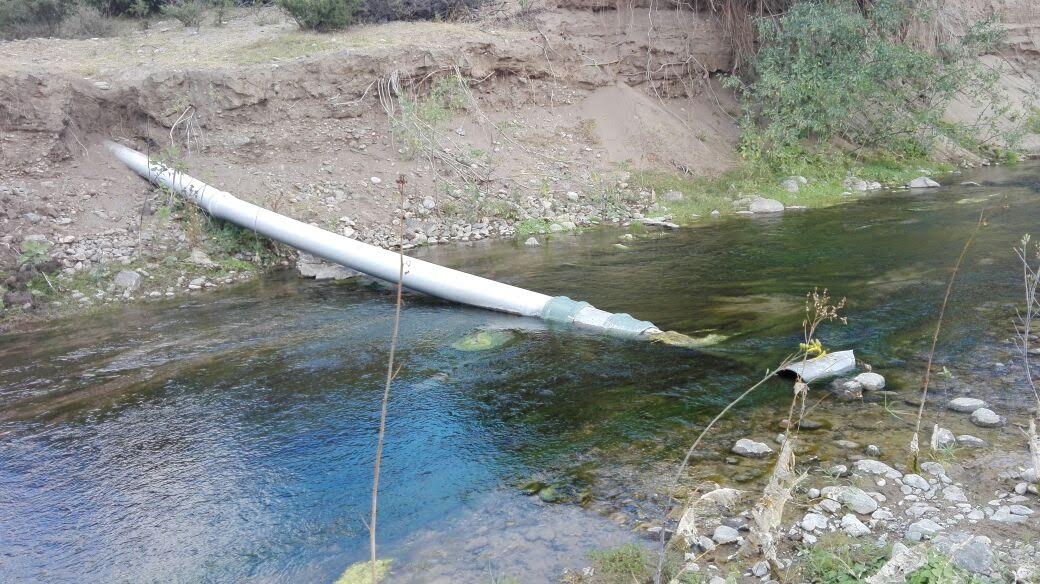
{"x":987,"y":418}
{"x":965,"y":405}
{"x":751,"y":449}
{"x":484,"y":340}
{"x":969,"y":441}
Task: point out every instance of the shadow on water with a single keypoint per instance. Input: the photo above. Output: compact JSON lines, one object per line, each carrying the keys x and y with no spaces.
{"x":229,"y":437}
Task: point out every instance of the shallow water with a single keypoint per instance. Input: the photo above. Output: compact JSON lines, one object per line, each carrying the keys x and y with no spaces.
{"x":229,"y":436}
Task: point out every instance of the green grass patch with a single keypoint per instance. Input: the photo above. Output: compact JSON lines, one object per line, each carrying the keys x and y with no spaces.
{"x":728,"y":192}
{"x":531,"y":226}
{"x":837,"y":559}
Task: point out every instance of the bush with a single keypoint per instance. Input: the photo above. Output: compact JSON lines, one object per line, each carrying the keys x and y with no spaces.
{"x":86,"y":22}
{"x":188,"y":12}
{"x":321,"y":15}
{"x":828,"y":70}
{"x":21,"y":19}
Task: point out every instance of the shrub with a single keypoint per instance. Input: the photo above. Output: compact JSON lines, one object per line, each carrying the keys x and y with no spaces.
{"x":21,"y":19}
{"x":188,"y":12}
{"x":828,"y":70}
{"x":87,"y":22}
{"x":321,"y":15}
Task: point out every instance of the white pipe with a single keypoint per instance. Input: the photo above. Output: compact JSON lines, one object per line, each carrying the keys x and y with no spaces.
{"x":419,"y":275}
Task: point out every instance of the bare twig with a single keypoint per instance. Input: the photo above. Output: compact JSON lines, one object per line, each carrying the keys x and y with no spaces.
{"x":915,"y":449}
{"x":390,"y":374}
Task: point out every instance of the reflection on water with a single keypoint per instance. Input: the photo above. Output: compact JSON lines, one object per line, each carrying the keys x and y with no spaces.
{"x":229,"y":437}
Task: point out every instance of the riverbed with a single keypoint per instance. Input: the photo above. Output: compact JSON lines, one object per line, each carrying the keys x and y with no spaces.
{"x":229,"y":436}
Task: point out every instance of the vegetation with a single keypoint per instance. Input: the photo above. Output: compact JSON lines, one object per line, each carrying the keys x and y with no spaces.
{"x":190,"y":13}
{"x":321,"y":15}
{"x":831,"y":70}
{"x":828,"y":177}
{"x":838,"y":560}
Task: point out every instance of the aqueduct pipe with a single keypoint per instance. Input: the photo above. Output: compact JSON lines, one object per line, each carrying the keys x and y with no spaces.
{"x":419,"y":275}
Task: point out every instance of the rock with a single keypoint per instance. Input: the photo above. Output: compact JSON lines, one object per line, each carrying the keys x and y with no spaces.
{"x":965,"y":405}
{"x":1020,"y":510}
{"x":972,"y":553}
{"x":876,"y":467}
{"x":987,"y":418}
{"x":854,"y":498}
{"x":127,"y":280}
{"x":916,"y":482}
{"x":324,"y":271}
{"x":872,"y":450}
{"x":19,"y":299}
{"x":790,"y":185}
{"x":954,"y":494}
{"x":814,"y":493}
{"x":813,"y":521}
{"x":723,"y":498}
{"x":830,"y":506}
{"x":847,"y":444}
{"x":853,"y":526}
{"x":922,"y":530}
{"x":725,"y":534}
{"x":922,"y":182}
{"x":870,"y":381}
{"x":201,"y":259}
{"x":376,"y":180}
{"x":761,"y":569}
{"x":751,"y":449}
{"x":531,"y":241}
{"x":766,"y":206}
{"x":943,"y":438}
{"x":969,"y":441}
{"x":1003,"y":514}
{"x":672,"y":196}
{"x":705,"y":543}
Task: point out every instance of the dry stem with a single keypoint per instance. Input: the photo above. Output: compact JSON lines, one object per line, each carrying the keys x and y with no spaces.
{"x":390,"y":374}
{"x":915,"y":449}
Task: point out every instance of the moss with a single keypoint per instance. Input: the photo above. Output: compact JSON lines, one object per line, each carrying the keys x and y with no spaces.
{"x":361,"y":572}
{"x":484,"y":340}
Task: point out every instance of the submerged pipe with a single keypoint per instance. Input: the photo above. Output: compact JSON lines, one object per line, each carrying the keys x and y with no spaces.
{"x":419,"y":275}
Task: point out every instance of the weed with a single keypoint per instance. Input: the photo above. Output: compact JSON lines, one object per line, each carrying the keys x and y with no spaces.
{"x":941,"y":570}
{"x":188,"y":12}
{"x":321,"y":15}
{"x":532,"y":226}
{"x":34,"y":253}
{"x":838,"y":560}
{"x":628,"y":563}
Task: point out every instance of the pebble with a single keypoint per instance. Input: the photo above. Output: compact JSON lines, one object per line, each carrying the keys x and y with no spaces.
{"x":814,"y":521}
{"x":852,"y":497}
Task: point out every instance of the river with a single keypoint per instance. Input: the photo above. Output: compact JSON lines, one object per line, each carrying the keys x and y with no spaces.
{"x":229,"y":436}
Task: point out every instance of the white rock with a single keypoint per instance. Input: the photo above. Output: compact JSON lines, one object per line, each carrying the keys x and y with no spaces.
{"x":916,"y":482}
{"x":376,"y":180}
{"x":870,"y":381}
{"x":853,"y":498}
{"x":766,"y":206}
{"x":923,"y":529}
{"x":954,"y":494}
{"x":987,"y":418}
{"x":922,"y":182}
{"x":814,"y":521}
{"x":853,"y":526}
{"x":760,"y":569}
{"x":725,"y":534}
{"x":876,"y":467}
{"x":127,"y":280}
{"x":965,"y":405}
{"x":751,"y":449}
{"x":969,"y":441}
{"x":531,"y":241}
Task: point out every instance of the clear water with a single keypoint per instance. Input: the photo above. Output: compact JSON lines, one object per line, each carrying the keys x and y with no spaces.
{"x":229,"y":437}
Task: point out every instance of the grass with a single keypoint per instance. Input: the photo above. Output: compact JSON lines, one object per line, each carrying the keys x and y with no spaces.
{"x":825,"y":184}
{"x":836,"y":559}
{"x":532,"y":226}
